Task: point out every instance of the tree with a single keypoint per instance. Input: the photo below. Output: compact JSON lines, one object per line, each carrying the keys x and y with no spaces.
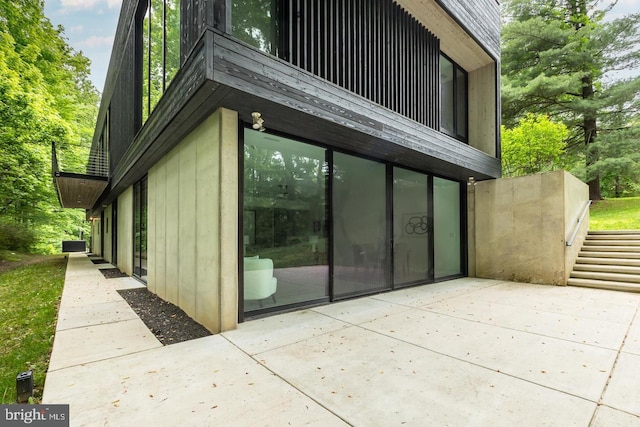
{"x":535,"y":145}
{"x":45,"y":96}
{"x":556,"y":55}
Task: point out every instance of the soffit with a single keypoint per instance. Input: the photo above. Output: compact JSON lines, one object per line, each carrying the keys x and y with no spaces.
{"x":454,"y":41}
{"x":79,"y":191}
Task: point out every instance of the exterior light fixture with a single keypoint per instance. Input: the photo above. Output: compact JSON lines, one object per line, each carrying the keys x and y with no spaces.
{"x":471,"y":181}
{"x":258,"y":121}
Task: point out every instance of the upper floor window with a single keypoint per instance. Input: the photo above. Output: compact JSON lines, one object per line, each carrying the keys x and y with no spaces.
{"x":453,"y":99}
{"x":252,"y":22}
{"x":160,"y":50}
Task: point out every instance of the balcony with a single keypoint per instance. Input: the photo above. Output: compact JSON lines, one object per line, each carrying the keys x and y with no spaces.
{"x":81,"y":190}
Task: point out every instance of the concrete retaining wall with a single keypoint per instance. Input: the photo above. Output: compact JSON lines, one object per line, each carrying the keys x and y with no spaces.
{"x":521,"y":227}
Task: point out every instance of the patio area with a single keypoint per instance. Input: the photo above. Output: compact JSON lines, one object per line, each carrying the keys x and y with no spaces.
{"x":465,"y":352}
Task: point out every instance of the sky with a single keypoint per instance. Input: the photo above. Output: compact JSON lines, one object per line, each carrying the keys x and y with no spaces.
{"x":89,"y":27}
{"x":91,"y":24}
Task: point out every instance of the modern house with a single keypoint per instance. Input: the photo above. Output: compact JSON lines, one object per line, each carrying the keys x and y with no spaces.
{"x":271,"y":154}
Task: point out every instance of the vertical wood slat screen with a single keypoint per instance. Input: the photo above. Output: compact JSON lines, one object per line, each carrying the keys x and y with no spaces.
{"x":371,"y":47}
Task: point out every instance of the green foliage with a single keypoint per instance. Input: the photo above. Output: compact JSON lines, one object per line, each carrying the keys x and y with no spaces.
{"x":615,"y":214}
{"x":556,"y":60}
{"x":30,"y":295}
{"x":16,"y":237}
{"x":618,"y":162}
{"x":534,"y":145}
{"x":45,"y":96}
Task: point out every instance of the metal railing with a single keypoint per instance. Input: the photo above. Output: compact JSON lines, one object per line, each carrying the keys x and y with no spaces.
{"x":576,"y":227}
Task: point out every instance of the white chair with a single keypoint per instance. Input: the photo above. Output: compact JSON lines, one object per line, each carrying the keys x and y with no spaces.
{"x":259,"y":282}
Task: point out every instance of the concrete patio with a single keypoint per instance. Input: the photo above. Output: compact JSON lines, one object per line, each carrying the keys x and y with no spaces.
{"x":466,"y":352}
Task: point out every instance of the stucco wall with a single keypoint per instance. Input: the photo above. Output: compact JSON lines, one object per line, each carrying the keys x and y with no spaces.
{"x":521,"y":227}
{"x":125,"y":231}
{"x":193,"y":222}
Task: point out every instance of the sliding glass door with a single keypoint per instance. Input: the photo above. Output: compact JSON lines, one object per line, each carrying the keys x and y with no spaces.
{"x":285,"y":240}
{"x":320,"y":225}
{"x":361,"y":255}
{"x":412,"y":228}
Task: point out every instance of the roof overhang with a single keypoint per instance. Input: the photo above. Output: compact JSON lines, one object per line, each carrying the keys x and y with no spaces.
{"x":79,"y":191}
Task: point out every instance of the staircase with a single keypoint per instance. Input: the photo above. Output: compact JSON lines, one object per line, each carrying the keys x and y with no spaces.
{"x":609,"y":260}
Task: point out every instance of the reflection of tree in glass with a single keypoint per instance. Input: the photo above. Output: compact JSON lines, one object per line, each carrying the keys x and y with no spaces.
{"x":161,"y":51}
{"x":252,"y":23}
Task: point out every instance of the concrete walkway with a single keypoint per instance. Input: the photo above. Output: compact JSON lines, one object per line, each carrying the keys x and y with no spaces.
{"x":468,"y":352}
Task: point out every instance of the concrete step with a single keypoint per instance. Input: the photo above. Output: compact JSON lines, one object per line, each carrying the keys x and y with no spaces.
{"x":608,"y":242}
{"x":598,"y":237}
{"x":597,"y":254}
{"x":605,"y":284}
{"x":616,"y":269}
{"x":598,"y":248}
{"x":635,"y":262}
{"x":613,"y":232}
{"x":614,"y":277}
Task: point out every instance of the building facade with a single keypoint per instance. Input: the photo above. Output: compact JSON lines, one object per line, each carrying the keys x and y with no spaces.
{"x":272,"y":154}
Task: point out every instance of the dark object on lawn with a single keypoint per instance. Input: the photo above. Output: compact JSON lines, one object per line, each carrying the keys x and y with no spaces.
{"x":24,"y":386}
{"x":74,"y":246}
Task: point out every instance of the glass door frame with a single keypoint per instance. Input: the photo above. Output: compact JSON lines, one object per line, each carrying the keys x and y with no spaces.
{"x":330,"y":221}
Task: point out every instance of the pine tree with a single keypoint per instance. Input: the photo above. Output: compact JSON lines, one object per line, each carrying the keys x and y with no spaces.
{"x":556,"y":58}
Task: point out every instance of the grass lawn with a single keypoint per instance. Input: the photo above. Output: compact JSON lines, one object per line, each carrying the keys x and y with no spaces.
{"x":29,"y":297}
{"x":615,"y":214}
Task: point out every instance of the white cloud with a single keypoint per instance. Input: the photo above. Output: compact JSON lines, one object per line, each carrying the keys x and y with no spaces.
{"x":96,"y":42}
{"x":88,"y":4}
{"x":76,"y":29}
{"x":78,"y":4}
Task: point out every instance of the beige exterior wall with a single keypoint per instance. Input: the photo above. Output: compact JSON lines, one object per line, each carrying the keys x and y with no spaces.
{"x":576,"y":193}
{"x":193,"y":223}
{"x":125,"y":231}
{"x":482,"y":109}
{"x":521,"y":227}
{"x":108,"y":230}
{"x":96,"y":237}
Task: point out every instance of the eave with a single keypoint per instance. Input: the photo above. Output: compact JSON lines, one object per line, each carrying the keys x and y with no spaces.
{"x":79,"y":191}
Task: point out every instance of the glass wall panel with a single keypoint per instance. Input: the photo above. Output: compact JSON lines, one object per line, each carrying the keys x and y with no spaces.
{"x":411,"y":231}
{"x":446,"y":224}
{"x":360,"y":249}
{"x":172,"y":40}
{"x":156,"y":70}
{"x":252,"y":23}
{"x":160,"y":32}
{"x":447,"y":122}
{"x":285,"y":222}
{"x":140,"y":229}
{"x":145,"y":66}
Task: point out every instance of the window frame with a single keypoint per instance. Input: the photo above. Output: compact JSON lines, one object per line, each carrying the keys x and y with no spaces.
{"x":455,"y":133}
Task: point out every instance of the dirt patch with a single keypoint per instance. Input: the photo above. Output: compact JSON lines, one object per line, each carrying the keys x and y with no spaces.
{"x":112,"y":273}
{"x":26,"y":260}
{"x":168,"y":323}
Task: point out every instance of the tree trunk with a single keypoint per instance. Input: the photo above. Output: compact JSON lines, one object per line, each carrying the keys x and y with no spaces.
{"x":590,"y":134}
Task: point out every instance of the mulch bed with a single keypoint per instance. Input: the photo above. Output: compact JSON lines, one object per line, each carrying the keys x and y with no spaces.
{"x":99,"y":261}
{"x":112,"y":273}
{"x":168,"y":323}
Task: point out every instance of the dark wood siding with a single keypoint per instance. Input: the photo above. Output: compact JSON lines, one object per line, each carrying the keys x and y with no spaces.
{"x":370,"y":47}
{"x":123,"y":108}
{"x":480,"y":18}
